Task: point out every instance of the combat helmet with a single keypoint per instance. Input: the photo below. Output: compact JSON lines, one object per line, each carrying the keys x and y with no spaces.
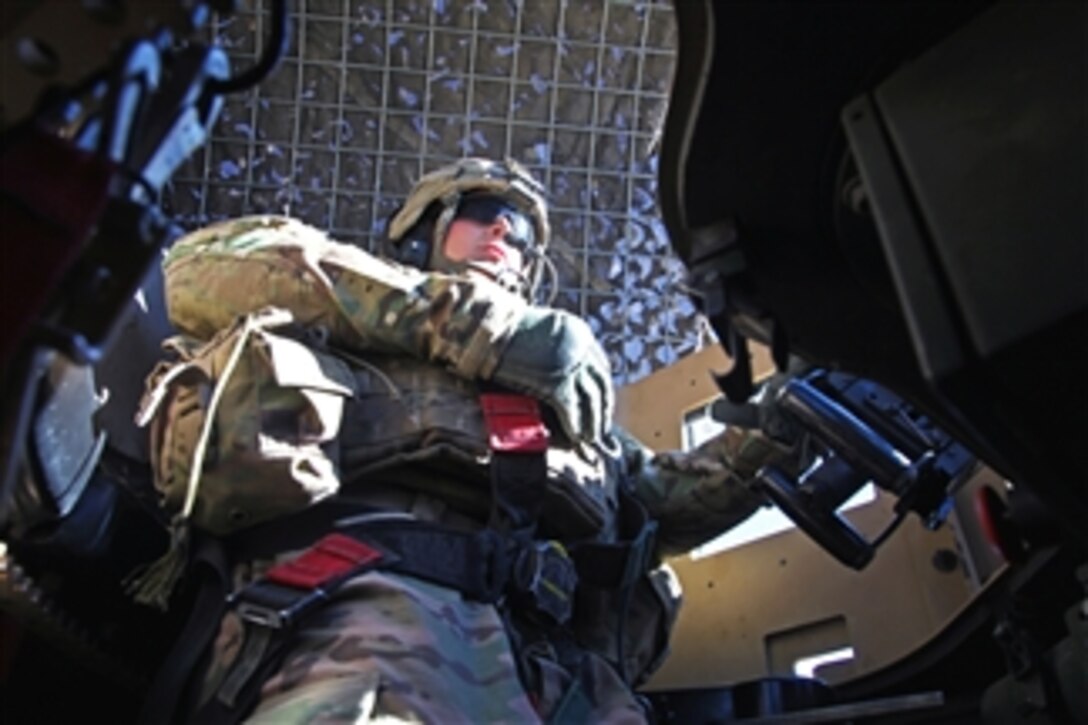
{"x":415,"y":231}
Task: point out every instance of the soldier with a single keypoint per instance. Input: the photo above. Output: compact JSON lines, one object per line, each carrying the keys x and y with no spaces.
{"x":488,"y":542}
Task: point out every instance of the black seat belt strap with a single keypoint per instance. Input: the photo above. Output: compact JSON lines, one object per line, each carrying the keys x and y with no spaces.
{"x":165,"y":700}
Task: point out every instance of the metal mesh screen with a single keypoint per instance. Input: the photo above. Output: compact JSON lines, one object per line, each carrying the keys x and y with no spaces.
{"x":375,"y":92}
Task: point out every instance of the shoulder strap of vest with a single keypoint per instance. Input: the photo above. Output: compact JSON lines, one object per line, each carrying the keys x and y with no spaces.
{"x":518,"y":440}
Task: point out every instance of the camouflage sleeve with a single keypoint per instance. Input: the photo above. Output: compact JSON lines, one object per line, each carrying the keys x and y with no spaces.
{"x":698,"y":494}
{"x":233,"y":268}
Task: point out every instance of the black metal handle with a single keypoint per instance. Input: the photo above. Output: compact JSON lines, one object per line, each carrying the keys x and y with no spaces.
{"x":816,"y":519}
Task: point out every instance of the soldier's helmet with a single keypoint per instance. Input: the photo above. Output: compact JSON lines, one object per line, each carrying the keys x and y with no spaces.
{"x":474,"y":188}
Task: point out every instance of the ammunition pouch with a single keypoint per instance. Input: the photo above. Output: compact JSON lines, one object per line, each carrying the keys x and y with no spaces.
{"x":244,"y":427}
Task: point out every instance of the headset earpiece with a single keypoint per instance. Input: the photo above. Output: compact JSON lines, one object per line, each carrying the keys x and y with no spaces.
{"x":414,"y":248}
{"x":414,"y":252}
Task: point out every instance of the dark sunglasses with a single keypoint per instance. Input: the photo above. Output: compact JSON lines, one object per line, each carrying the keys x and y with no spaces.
{"x":487,"y":209}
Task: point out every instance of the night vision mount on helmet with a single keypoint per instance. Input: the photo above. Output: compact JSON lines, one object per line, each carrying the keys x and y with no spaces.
{"x":415,"y":231}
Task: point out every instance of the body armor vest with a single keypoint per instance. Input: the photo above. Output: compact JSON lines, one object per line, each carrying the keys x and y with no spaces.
{"x":414,"y":424}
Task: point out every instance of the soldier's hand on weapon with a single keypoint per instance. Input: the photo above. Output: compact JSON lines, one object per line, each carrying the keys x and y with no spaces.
{"x":762,"y":411}
{"x":766,"y":433}
{"x":555,"y":357}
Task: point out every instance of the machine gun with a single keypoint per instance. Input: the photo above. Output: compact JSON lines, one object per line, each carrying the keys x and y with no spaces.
{"x":947,"y":256}
{"x":861,"y":432}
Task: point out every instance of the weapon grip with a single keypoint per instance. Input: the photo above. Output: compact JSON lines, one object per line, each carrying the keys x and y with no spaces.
{"x":819,"y":521}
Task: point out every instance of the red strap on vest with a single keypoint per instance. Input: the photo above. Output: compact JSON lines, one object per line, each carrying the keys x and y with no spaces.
{"x":513,"y":423}
{"x":330,"y":559}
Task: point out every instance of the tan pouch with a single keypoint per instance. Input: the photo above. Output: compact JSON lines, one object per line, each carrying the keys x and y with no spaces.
{"x":257,"y":415}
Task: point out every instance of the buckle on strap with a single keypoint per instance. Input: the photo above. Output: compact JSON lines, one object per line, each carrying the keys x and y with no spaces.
{"x":332,"y":559}
{"x":289,"y":591}
{"x":513,"y":423}
{"x":545,"y":574}
{"x":292,"y":588}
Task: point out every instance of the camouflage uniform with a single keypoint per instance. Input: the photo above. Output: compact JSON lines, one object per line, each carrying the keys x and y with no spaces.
{"x":387,"y":415}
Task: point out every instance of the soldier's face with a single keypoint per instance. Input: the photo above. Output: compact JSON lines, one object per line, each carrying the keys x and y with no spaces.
{"x":473,"y":241}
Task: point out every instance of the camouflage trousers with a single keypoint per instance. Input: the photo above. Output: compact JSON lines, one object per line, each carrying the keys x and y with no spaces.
{"x":391,"y":648}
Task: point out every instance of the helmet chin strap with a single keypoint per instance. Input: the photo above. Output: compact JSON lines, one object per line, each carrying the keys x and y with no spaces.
{"x":509,"y":279}
{"x":514,"y":281}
